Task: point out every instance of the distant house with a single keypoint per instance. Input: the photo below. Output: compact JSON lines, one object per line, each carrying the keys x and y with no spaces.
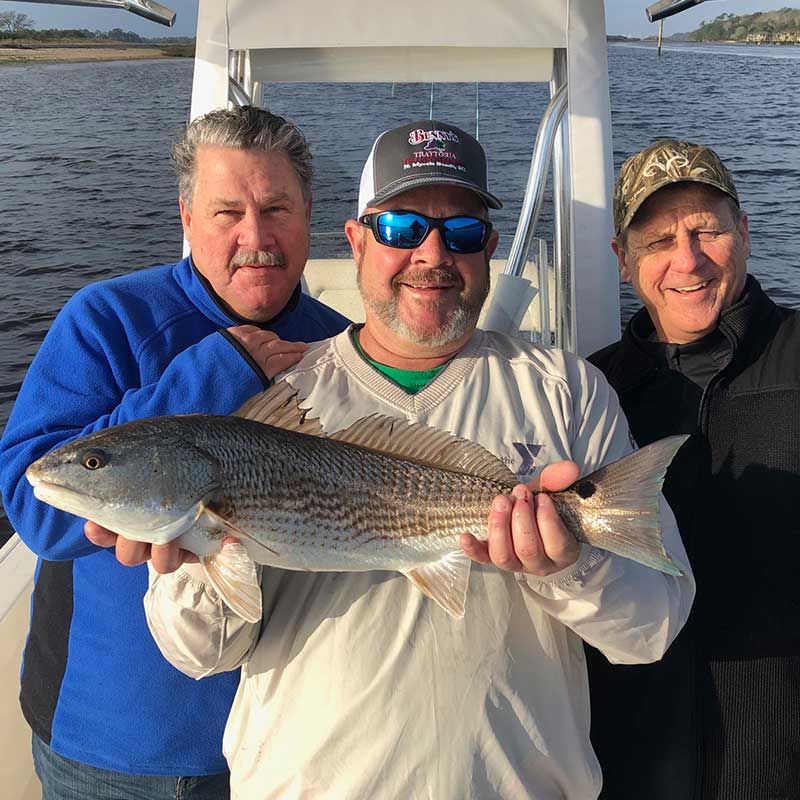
{"x":768,"y":37}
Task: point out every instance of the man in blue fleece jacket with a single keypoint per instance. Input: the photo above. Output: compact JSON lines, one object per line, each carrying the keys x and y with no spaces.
{"x":110,"y":717}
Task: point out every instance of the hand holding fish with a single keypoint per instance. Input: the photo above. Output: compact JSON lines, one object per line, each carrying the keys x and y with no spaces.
{"x":273,"y":355}
{"x":526,"y":533}
{"x":165,"y":557}
{"x":267,"y":349}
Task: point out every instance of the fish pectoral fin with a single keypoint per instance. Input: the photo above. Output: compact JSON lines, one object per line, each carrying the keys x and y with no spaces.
{"x":214,"y":521}
{"x":445,"y":582}
{"x":234,"y":577}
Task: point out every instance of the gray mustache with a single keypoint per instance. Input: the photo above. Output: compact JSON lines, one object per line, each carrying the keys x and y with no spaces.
{"x":429,"y":277}
{"x":259,"y":258}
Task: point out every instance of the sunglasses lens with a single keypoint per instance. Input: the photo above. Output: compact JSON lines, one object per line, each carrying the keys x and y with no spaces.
{"x":401,"y":229}
{"x":406,"y":230}
{"x":464,"y":234}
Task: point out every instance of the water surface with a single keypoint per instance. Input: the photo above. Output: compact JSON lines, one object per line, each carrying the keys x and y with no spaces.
{"x":88,"y":192}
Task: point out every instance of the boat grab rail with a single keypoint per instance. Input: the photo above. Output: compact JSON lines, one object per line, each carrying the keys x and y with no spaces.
{"x":537,"y":180}
{"x":236,"y":93}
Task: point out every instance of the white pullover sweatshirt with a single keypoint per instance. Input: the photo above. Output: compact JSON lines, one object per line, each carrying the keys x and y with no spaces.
{"x":357,"y":687}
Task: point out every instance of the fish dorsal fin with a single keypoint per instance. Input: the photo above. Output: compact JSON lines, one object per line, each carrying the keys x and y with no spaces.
{"x":426,"y":445}
{"x":392,"y":436}
{"x":278,"y":406}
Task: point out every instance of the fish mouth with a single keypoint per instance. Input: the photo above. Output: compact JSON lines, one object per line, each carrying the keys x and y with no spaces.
{"x":64,"y":498}
{"x":110,"y":516}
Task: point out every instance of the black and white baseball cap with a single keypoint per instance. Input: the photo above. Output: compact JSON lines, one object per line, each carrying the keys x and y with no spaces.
{"x":424,"y":153}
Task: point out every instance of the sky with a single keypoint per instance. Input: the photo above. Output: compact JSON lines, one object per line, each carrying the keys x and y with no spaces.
{"x":628,"y":18}
{"x":625,"y":17}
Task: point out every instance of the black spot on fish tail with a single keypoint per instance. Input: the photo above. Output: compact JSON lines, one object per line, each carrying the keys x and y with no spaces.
{"x":585,"y":489}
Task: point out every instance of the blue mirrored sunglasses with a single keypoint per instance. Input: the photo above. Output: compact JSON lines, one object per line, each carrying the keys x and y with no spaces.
{"x":408,"y":229}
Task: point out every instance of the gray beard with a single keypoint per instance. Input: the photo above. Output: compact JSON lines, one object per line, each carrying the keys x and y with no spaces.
{"x":461,"y":321}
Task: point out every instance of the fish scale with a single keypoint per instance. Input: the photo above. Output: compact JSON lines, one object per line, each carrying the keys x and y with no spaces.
{"x":367,"y":498}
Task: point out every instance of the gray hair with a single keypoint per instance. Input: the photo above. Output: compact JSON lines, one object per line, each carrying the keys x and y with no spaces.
{"x":243,"y":128}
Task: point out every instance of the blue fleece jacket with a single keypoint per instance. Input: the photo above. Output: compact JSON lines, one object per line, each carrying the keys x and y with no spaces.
{"x":94,"y":684}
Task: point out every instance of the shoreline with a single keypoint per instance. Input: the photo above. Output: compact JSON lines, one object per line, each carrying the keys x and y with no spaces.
{"x":66,"y":52}
{"x":84,"y":52}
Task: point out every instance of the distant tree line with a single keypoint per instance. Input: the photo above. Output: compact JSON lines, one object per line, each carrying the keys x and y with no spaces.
{"x":54,"y":34}
{"x":773,"y":25}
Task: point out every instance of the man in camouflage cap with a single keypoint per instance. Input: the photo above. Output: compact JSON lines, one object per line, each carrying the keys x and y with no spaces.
{"x":666,"y":162}
{"x":712,"y":356}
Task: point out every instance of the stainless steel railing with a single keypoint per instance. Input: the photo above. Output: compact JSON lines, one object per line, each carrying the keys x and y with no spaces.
{"x":548,"y":139}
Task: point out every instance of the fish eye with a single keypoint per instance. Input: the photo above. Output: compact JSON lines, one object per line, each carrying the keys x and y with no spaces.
{"x":94,"y":459}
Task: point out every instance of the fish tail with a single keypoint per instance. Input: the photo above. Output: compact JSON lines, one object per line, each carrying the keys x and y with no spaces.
{"x":622,"y":512}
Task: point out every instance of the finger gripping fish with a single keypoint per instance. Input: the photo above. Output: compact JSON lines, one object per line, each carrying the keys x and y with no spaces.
{"x":383,"y":494}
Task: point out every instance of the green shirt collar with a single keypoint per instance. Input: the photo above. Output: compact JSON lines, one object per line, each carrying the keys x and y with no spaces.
{"x":410,"y":380}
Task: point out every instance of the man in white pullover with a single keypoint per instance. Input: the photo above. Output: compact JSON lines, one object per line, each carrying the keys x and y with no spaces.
{"x":355,"y":685}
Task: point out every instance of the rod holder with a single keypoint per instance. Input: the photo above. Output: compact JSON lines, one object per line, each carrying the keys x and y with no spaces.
{"x":155,"y":12}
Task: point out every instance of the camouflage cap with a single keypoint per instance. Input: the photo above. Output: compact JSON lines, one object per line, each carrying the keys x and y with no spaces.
{"x":662,"y":163}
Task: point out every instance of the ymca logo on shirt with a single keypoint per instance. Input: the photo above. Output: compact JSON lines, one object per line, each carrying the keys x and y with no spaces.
{"x":523,"y":462}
